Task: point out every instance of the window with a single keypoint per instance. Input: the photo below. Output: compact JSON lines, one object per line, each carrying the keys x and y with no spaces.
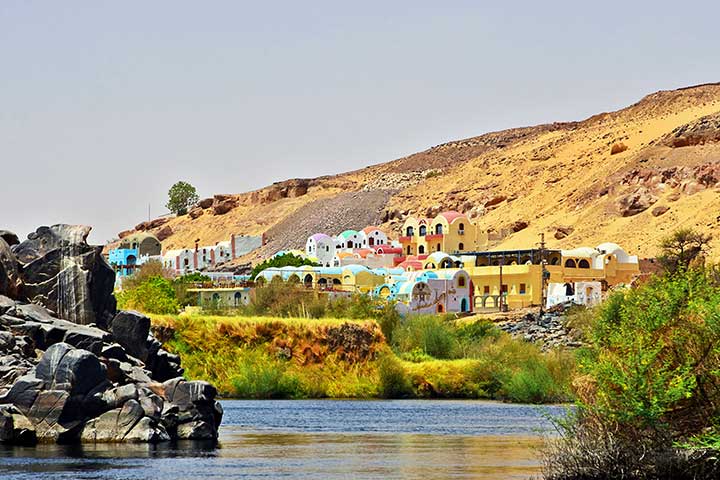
{"x":583,"y":264}
{"x":486,"y":290}
{"x":504,"y":289}
{"x":421,"y":249}
{"x":423,"y":230}
{"x":461,"y":246}
{"x":438,"y":229}
{"x":570,"y":263}
{"x":438,"y":247}
{"x":408,"y":250}
{"x":409,"y":231}
{"x":327,"y":248}
{"x":461,"y":281}
{"x":522,"y":289}
{"x":371,"y":240}
{"x":461,"y":228}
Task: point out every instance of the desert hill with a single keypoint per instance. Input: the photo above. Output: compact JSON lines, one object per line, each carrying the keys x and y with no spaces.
{"x":629,"y":176}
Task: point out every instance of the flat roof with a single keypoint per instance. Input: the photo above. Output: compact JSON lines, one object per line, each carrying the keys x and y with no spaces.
{"x":506,"y":253}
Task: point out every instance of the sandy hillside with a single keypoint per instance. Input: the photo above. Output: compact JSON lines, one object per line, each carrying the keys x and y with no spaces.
{"x":629,"y":176}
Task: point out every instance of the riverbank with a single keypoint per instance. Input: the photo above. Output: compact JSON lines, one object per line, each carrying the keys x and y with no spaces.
{"x":426,"y":357}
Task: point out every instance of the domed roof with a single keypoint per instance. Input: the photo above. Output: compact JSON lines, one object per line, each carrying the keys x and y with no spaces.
{"x":452,"y":215}
{"x":320,"y":236}
{"x":348,"y":233}
{"x":367,"y":230}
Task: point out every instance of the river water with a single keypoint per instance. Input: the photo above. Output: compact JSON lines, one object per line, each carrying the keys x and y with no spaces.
{"x":408,"y":439}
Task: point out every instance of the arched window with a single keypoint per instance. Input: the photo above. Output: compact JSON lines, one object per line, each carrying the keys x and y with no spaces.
{"x":349,"y":244}
{"x":238,"y":298}
{"x":461,"y":246}
{"x":461,"y":228}
{"x":570,"y":263}
{"x":371,"y":241}
{"x":421,"y":249}
{"x":408,"y":250}
{"x":583,"y":264}
{"x":554,"y":261}
{"x":438,"y":247}
{"x":409,"y":231}
{"x":461,"y":281}
{"x":423,"y":230}
{"x":439,"y":308}
{"x":438,"y":229}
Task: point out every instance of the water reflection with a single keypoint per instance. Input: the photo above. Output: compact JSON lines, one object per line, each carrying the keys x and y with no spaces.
{"x":316,"y":440}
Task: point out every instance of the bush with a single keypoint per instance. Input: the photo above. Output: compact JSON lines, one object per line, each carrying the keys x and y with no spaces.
{"x":428,"y":333}
{"x":394,"y":382}
{"x":263,"y":377}
{"x":153,"y":295}
{"x":648,"y":386}
{"x":286,"y":260}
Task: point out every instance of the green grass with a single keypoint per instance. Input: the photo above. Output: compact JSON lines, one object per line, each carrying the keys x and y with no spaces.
{"x":270,"y":357}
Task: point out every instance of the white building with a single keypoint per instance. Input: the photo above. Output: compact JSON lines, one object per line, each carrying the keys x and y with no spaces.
{"x":321,"y":247}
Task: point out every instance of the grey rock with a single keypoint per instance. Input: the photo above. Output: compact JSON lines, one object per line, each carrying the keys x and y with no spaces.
{"x":130,"y":329}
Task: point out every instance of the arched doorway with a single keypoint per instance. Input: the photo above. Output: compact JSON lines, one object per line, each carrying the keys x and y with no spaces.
{"x":464,"y":305}
{"x":308,"y":281}
{"x":238,"y":299}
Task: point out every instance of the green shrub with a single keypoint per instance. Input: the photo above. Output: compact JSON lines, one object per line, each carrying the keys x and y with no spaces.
{"x":153,"y":295}
{"x":394,"y":382}
{"x":428,"y":333}
{"x":286,"y":260}
{"x":260,"y":376}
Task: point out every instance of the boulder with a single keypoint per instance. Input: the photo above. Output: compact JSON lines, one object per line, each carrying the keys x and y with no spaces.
{"x":10,"y":280}
{"x":635,"y":202}
{"x":224,"y":206}
{"x":205,"y":203}
{"x":15,"y":428}
{"x":9,"y":237}
{"x":659,"y":210}
{"x":130,"y":329}
{"x":563,"y":231}
{"x":495,"y":201}
{"x":195,"y":212}
{"x":164,"y":232}
{"x":66,"y":275}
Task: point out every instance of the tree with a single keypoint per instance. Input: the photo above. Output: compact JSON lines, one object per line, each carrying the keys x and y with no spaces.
{"x":285,"y":260}
{"x":681,"y":248}
{"x":181,"y":196}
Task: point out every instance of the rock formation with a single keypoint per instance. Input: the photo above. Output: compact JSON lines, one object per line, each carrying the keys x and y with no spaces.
{"x":95,"y":374}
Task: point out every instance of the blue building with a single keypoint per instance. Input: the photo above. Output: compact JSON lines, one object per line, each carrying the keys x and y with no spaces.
{"x":123,"y":260}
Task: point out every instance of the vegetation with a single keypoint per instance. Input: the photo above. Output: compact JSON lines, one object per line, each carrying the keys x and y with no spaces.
{"x":151,"y":289}
{"x":271,"y":357}
{"x":648,"y":386}
{"x":682,"y":248}
{"x":285,"y":260}
{"x":181,"y":197}
{"x":154,"y":294}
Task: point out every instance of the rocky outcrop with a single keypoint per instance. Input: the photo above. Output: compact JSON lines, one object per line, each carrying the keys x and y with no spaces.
{"x":66,"y":275}
{"x":73,"y":380}
{"x":635,"y":202}
{"x":547,"y":330}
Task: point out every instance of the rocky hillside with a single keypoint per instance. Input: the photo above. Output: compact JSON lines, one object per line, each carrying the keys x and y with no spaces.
{"x":629,"y":176}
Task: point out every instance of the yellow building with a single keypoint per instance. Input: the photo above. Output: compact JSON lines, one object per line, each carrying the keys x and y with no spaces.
{"x":515,"y":278}
{"x":448,"y":232}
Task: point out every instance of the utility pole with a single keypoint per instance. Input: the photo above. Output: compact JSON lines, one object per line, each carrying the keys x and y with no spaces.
{"x":500,"y":302}
{"x":544,"y":274}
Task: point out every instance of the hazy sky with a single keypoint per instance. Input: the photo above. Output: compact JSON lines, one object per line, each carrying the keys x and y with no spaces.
{"x":105,"y":104}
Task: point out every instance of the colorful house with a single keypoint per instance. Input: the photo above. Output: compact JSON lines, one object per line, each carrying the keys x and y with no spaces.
{"x":448,"y":232}
{"x":436,"y":291}
{"x":133,"y":251}
{"x":321,"y":247}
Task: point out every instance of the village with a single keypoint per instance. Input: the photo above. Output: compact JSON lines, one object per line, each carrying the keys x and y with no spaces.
{"x":439,"y":265}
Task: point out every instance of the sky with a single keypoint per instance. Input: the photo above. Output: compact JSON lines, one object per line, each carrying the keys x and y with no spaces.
{"x":105,"y":104}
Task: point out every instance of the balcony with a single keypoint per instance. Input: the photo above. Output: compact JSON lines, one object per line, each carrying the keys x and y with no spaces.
{"x":434,"y":236}
{"x":405,"y":239}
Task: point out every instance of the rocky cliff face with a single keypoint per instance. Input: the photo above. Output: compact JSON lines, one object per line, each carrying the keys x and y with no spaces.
{"x":74,"y":369}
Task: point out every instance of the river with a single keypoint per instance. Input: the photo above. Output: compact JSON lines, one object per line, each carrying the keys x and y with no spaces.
{"x":318,"y":439}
